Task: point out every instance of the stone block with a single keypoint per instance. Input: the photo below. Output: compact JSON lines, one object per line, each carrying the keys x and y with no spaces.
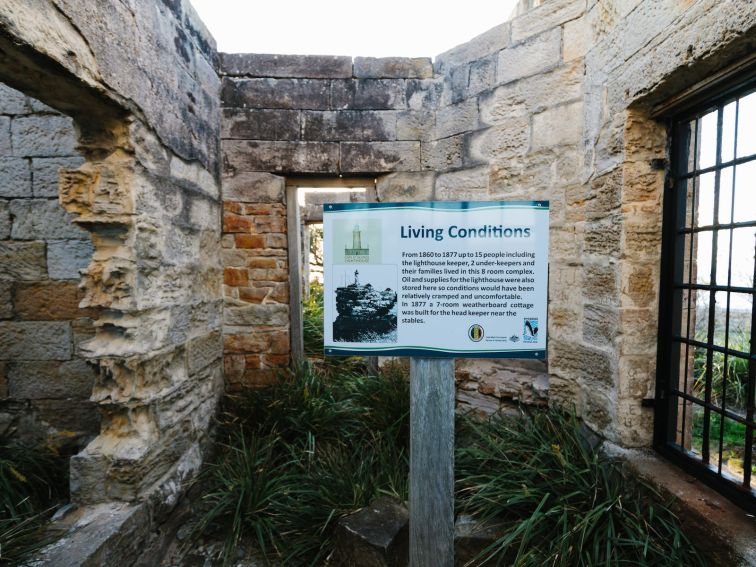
{"x":375,"y":536}
{"x":482,"y":75}
{"x":369,"y":94}
{"x":235,"y":276}
{"x":415,"y":124}
{"x":12,"y":101}
{"x":379,"y":157}
{"x":487,"y":43}
{"x":43,"y":136}
{"x":203,"y":351}
{"x":6,"y":299}
{"x":254,"y":187}
{"x":463,"y":185}
{"x":582,"y":362}
{"x":471,"y":538}
{"x":530,"y":58}
{"x":501,"y":143}
{"x":424,"y":94}
{"x":252,"y":124}
{"x":47,"y":301}
{"x":600,"y":325}
{"x":344,"y":125}
{"x":405,"y":186}
{"x":36,"y":380}
{"x":602,"y":237}
{"x":5,"y":221}
{"x":283,"y":66}
{"x":284,"y":157}
{"x":45,"y":174}
{"x":442,"y":155}
{"x":66,"y":258}
{"x":456,"y":83}
{"x":22,"y":261}
{"x":295,"y":94}
{"x":577,"y":39}
{"x":601,"y":284}
{"x":393,"y":68}
{"x":15,"y":177}
{"x":42,"y":219}
{"x":267,"y":314}
{"x":457,"y":118}
{"x":545,"y":17}
{"x":35,"y":340}
{"x":5,"y":136}
{"x":559,"y":126}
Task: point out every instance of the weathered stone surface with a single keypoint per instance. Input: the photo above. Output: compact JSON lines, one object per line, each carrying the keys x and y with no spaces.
{"x":482,"y":75}
{"x":47,"y":301}
{"x":375,"y":536}
{"x":346,"y":125}
{"x":534,"y":56}
{"x":43,"y":136}
{"x":254,"y":187}
{"x":5,"y":135}
{"x":392,"y":68}
{"x":284,"y":157}
{"x":546,"y":17}
{"x":42,"y":219}
{"x":5,"y":220}
{"x":271,"y":314}
{"x":12,"y":101}
{"x":50,"y":380}
{"x":457,"y":118}
{"x":405,"y":187}
{"x":377,"y":157}
{"x":471,"y":538}
{"x":250,"y":124}
{"x":369,"y":94}
{"x":562,"y":125}
{"x":414,"y":124}
{"x":45,"y":174}
{"x":22,"y":261}
{"x":6,"y":299}
{"x":463,"y":185}
{"x":445,"y":154}
{"x":66,"y":258}
{"x":284,"y":66}
{"x":35,"y":340}
{"x":299,"y":94}
{"x":487,"y":43}
{"x":15,"y":177}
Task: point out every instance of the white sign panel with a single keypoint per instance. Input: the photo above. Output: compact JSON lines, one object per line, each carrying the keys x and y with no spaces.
{"x":436,"y":279}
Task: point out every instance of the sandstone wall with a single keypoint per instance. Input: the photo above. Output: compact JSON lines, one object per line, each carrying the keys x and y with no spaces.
{"x":139,"y":81}
{"x":552,"y":105}
{"x":45,"y":383}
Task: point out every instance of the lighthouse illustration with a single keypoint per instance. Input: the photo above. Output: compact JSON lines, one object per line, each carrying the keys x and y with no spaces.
{"x":357,"y":254}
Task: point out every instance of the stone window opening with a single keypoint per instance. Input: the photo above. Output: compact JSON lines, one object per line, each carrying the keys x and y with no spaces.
{"x":707,"y":361}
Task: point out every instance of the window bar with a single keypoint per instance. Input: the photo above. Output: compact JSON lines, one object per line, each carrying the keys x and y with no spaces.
{"x":726,"y":369}
{"x":748,"y":456}
{"x":705,"y":456}
{"x":693,"y":238}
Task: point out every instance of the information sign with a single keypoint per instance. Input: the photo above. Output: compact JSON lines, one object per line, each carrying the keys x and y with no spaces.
{"x":436,"y":279}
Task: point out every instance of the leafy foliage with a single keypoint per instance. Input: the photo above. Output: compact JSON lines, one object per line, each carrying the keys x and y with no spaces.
{"x":298,"y":455}
{"x":558,"y":502}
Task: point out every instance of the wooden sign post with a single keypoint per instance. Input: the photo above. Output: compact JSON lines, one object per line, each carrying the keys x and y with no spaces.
{"x":431,"y":491}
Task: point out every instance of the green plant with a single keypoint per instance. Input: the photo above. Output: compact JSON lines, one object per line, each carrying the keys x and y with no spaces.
{"x":735,"y":390}
{"x":33,"y":479}
{"x":298,"y":455}
{"x":558,"y":502}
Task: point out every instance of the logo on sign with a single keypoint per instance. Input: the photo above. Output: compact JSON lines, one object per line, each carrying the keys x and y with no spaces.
{"x":475,"y":333}
{"x":530,"y":330}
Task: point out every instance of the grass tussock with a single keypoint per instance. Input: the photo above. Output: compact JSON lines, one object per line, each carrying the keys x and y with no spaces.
{"x":33,"y":479}
{"x":297,"y":456}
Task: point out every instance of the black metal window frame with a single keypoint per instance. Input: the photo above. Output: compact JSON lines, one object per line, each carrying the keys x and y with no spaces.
{"x":680,"y":231}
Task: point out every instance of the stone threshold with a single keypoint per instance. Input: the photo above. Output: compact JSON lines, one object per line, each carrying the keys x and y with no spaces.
{"x":725,"y":533}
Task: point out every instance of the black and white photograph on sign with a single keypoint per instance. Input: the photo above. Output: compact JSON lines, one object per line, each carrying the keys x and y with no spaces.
{"x":366,"y":304}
